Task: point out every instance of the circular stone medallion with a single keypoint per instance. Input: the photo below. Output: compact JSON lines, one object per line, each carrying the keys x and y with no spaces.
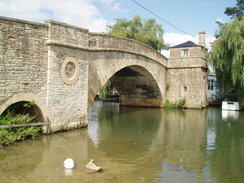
{"x":70,"y":70}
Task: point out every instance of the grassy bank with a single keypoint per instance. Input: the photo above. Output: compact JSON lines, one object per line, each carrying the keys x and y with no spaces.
{"x":10,"y":135}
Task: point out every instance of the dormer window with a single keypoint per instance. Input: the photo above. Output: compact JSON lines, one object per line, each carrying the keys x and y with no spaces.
{"x":185,"y":52}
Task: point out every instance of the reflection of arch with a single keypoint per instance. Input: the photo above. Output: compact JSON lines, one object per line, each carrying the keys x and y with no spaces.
{"x":23,"y":98}
{"x":141,"y":73}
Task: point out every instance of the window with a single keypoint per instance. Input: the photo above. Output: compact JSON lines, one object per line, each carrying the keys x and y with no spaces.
{"x":211,"y":84}
{"x":185,"y":52}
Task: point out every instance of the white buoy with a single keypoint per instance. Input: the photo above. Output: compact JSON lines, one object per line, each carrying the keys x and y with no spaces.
{"x":69,"y":163}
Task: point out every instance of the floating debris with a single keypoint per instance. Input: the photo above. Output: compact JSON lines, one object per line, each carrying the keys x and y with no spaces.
{"x":93,"y":166}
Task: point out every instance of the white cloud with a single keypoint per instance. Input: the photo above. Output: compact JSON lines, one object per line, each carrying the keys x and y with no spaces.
{"x":166,"y":53}
{"x":106,"y":1}
{"x":209,"y":40}
{"x":117,"y":6}
{"x":220,"y":20}
{"x":77,"y":12}
{"x":175,"y":38}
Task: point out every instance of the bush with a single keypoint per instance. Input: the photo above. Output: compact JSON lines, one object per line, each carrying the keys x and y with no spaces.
{"x":10,"y":135}
{"x":169,"y":105}
{"x":6,"y":137}
{"x":180,"y":104}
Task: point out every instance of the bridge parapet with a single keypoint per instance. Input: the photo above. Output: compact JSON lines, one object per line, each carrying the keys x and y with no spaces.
{"x":109,"y":42}
{"x":65,"y":35}
{"x":69,"y":35}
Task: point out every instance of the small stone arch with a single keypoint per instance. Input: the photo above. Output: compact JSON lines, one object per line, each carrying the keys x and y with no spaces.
{"x":22,"y":98}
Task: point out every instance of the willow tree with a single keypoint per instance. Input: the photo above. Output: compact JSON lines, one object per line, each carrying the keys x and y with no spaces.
{"x":144,"y":31}
{"x":105,"y":90}
{"x":227,"y":57}
{"x":237,"y":10}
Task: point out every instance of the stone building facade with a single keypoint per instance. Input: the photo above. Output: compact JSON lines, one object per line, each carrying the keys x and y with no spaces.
{"x":187,"y":73}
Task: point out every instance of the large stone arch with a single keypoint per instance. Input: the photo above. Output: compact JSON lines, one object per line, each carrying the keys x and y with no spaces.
{"x":143,"y":74}
{"x":24,"y":97}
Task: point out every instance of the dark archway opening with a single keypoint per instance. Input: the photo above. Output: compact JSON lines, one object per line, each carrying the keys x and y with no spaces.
{"x":136,"y":87}
{"x":25,"y":107}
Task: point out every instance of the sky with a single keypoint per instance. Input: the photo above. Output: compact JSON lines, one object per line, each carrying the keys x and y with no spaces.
{"x":191,"y":16}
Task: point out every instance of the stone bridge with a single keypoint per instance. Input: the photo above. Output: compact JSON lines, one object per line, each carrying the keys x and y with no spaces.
{"x":60,"y":68}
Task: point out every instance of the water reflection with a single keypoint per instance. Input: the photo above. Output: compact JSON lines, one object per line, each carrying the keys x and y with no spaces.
{"x":145,"y":140}
{"x":230,"y":115}
{"x":42,"y":160}
{"x":227,"y":158}
{"x":183,"y":134}
{"x":135,"y":145}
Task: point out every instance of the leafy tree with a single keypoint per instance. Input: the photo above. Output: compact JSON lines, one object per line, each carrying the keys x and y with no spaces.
{"x":236,"y":11}
{"x":147,"y":32}
{"x":227,"y":57}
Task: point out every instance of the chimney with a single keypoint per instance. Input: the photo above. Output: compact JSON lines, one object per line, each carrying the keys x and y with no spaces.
{"x":201,"y":39}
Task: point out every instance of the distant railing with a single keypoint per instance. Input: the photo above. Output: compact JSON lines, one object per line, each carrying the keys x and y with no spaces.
{"x":24,"y":125}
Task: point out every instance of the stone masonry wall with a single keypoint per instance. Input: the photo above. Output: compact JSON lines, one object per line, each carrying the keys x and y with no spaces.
{"x":68,"y":76}
{"x":194,"y":52}
{"x":66,"y":34}
{"x":188,"y":84}
{"x":23,"y":58}
{"x":187,"y":77}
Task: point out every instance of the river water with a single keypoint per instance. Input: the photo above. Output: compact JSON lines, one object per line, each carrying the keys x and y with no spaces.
{"x":135,"y":145}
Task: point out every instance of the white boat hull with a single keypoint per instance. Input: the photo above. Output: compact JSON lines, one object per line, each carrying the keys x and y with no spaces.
{"x":231,"y":106}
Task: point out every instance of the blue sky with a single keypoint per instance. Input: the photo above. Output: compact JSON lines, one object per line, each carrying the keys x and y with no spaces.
{"x":192,"y":16}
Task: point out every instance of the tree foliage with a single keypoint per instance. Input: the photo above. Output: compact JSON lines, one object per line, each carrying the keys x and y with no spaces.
{"x":105,"y":90}
{"x":227,"y":57}
{"x":236,"y":11}
{"x":147,"y":32}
